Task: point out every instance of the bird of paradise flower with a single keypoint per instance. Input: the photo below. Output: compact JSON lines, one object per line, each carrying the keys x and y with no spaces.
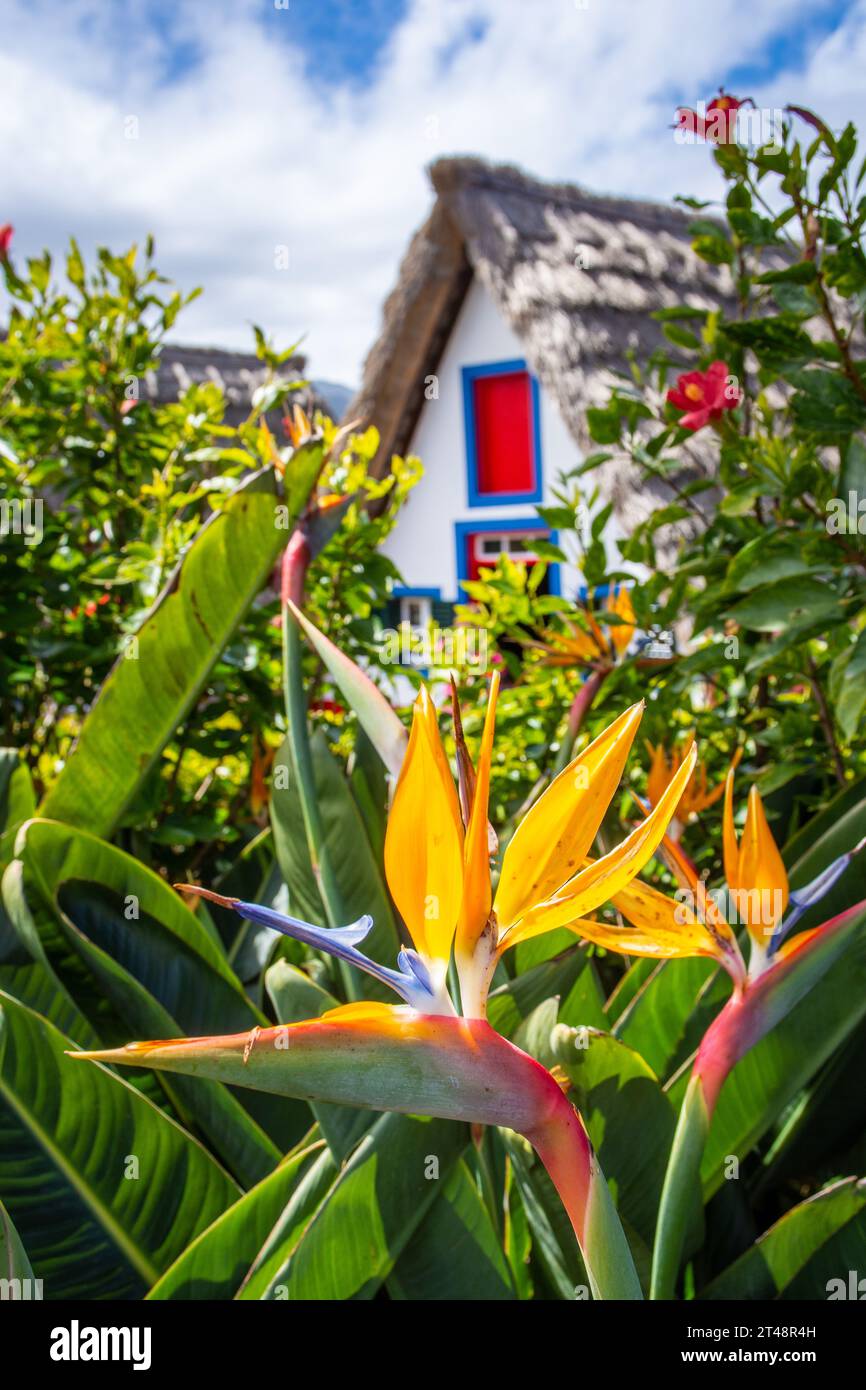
{"x":435,"y":1053}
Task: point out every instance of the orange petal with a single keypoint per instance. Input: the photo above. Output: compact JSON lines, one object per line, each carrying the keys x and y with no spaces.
{"x":634,"y":941}
{"x":424,"y":839}
{"x":477,"y":895}
{"x":600,"y":881}
{"x":763,"y":887}
{"x":551,"y":842}
{"x":659,"y":774}
{"x":623,"y":632}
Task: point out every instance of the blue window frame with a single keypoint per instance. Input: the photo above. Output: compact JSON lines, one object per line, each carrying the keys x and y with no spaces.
{"x":402,"y":591}
{"x":475,"y":497}
{"x":464,"y":529}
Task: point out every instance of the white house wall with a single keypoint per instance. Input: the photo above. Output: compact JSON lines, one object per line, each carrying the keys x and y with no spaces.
{"x":423,"y":544}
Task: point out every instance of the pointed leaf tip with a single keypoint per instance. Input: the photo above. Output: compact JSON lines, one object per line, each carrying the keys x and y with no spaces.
{"x":217,"y":898}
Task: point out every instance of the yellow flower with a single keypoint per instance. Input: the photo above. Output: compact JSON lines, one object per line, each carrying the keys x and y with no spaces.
{"x":579,"y":647}
{"x":697,"y":923}
{"x":757,"y":879}
{"x":440,"y":877}
{"x":697,"y":796}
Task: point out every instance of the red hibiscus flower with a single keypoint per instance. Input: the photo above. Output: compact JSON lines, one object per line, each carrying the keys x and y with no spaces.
{"x":718,"y":125}
{"x":704,"y":395}
{"x":5,"y":240}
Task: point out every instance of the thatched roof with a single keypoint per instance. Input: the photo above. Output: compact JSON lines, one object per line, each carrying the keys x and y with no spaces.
{"x":575,"y":274}
{"x":237,"y":373}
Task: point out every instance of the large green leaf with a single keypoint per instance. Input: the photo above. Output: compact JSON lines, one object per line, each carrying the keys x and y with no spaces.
{"x":820,"y":1241}
{"x":840,"y":827}
{"x":76,"y":884}
{"x":290,"y":842}
{"x":811,"y":835}
{"x":671,"y":1010}
{"x":17,"y":799}
{"x":828,"y":1117}
{"x":455,"y":1254}
{"x":378,"y":720}
{"x":216,"y":1263}
{"x":139,"y":963}
{"x":555,"y":1253}
{"x":153,"y":685}
{"x":584,"y":1003}
{"x":628,"y":985}
{"x":629,"y":1118}
{"x":787,"y":603}
{"x":850,"y":696}
{"x":305,"y":1198}
{"x":17,"y":802}
{"x":510,"y":1004}
{"x":377,"y":1202}
{"x":14,"y":1263}
{"x":105,"y":1190}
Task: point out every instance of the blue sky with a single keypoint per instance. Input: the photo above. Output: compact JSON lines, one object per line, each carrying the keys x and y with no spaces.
{"x":307,"y":127}
{"x":343,"y":41}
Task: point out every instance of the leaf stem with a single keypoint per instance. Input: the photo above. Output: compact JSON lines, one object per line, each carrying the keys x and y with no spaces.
{"x":580,"y":707}
{"x":826,"y":719}
{"x":564,"y":1148}
{"x":296,"y":561}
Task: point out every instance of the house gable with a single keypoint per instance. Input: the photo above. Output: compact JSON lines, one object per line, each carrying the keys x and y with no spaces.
{"x":432,"y":543}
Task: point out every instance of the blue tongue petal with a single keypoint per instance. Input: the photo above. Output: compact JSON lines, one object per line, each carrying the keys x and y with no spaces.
{"x":811,"y":893}
{"x":411,"y":963}
{"x":412,"y":981}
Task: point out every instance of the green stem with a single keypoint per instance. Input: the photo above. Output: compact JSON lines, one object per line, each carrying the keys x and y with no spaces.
{"x":295,"y":563}
{"x":826,"y":721}
{"x":732,"y":1032}
{"x":564,"y":1148}
{"x":681,"y":1189}
{"x":580,"y":707}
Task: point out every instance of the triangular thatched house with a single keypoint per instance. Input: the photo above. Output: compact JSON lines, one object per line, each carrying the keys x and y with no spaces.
{"x":515,"y":304}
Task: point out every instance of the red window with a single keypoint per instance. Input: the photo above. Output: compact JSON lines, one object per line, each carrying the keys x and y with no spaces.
{"x":504,"y":429}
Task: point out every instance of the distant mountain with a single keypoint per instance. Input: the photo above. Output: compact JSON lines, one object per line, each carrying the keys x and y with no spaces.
{"x":336,"y":397}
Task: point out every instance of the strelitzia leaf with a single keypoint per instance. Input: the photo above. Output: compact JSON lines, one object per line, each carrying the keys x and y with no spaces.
{"x":154,"y":683}
{"x":92,"y":1233}
{"x":14,"y":1263}
{"x":391,"y":1058}
{"x":804,"y":1254}
{"x":217,"y":1262}
{"x":378,"y":1056}
{"x":378,"y":1201}
{"x":619,"y":1097}
{"x":376,"y":717}
{"x":749,"y":1017}
{"x":455,"y":1253}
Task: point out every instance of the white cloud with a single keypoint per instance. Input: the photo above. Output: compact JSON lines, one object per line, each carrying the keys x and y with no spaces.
{"x":240,"y":150}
